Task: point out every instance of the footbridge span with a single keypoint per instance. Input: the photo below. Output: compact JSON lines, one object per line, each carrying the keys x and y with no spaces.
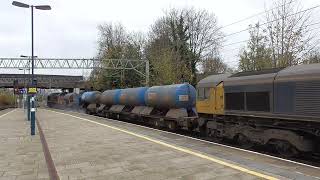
{"x":141,"y":67}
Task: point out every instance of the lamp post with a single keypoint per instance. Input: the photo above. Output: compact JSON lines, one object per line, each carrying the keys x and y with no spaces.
{"x":27,"y":98}
{"x":40,"y":7}
{"x":27,"y":66}
{"x":24,"y":85}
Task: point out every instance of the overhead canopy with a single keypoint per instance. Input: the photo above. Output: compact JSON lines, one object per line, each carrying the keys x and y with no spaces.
{"x":213,"y":80}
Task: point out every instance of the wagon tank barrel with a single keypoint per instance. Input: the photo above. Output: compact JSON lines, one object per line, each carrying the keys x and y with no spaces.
{"x":90,"y":97}
{"x":171,"y":96}
{"x":110,"y":97}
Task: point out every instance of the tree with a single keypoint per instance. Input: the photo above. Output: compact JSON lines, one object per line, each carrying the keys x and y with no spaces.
{"x":205,"y":37}
{"x":116,"y":43}
{"x":313,"y":57}
{"x":288,"y":33}
{"x":256,"y":56}
{"x":167,"y":48}
{"x":214,"y":65}
{"x":189,"y":36}
{"x":286,"y":39}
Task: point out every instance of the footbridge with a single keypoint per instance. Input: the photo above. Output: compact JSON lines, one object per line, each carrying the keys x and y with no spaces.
{"x":141,"y":67}
{"x":43,"y":81}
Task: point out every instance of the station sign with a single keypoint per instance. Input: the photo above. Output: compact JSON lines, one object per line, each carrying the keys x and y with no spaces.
{"x":32,"y":90}
{"x":23,"y":91}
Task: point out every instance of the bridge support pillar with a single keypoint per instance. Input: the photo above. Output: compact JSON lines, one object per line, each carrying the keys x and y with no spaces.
{"x":76,"y":90}
{"x":70,"y":90}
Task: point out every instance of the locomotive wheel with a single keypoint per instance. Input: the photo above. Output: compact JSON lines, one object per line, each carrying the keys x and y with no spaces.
{"x":203,"y":131}
{"x":285,"y":149}
{"x":172,"y":125}
{"x":243,"y":141}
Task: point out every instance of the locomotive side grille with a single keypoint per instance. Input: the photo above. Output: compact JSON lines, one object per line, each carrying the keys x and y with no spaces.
{"x":307,"y":100}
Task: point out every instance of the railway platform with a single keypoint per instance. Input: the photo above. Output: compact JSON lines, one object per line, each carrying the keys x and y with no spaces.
{"x":21,"y":156}
{"x":70,"y":145}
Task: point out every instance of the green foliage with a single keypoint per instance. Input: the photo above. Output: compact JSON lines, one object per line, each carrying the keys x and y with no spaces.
{"x":116,"y":43}
{"x":186,"y":37}
{"x":164,"y":69}
{"x":256,"y":56}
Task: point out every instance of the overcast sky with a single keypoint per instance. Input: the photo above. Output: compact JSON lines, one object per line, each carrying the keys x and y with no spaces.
{"x":69,"y":30}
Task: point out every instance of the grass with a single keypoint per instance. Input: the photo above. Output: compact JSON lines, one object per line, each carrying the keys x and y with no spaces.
{"x":6,"y":98}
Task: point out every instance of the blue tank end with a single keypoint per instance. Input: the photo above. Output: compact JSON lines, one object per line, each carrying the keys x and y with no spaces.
{"x":171,"y":96}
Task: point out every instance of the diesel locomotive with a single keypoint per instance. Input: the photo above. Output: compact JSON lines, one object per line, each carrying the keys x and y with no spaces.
{"x":278,"y":108}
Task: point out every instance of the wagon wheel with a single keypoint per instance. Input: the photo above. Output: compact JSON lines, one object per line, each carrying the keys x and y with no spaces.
{"x":156,"y":124}
{"x":172,"y":125}
{"x":243,"y":141}
{"x":285,"y":149}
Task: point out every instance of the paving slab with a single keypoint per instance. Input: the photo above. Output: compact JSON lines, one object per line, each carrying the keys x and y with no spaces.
{"x":21,"y":155}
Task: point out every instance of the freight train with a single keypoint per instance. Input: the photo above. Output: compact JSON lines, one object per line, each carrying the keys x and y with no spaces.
{"x":277,"y":108}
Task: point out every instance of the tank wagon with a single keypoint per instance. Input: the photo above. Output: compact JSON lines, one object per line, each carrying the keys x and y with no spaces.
{"x":277,"y":107}
{"x":90,"y":101}
{"x":171,"y":106}
{"x":52,"y":99}
{"x":56,"y":100}
{"x":72,"y":100}
{"x":174,"y":102}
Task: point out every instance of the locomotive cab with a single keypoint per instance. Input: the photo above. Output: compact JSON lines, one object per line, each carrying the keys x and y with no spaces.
{"x":210,"y":95}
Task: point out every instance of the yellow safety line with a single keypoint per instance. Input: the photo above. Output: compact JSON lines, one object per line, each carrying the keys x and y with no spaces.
{"x":7,"y":113}
{"x":179,"y":149}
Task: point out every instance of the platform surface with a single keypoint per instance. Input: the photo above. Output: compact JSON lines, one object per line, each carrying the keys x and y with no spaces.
{"x":88,"y":147}
{"x":21,"y":156}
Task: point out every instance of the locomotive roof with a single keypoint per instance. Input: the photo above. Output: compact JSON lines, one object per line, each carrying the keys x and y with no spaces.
{"x":300,"y":72}
{"x":292,"y":73}
{"x":250,"y":73}
{"x":213,"y":80}
{"x":252,"y":79}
